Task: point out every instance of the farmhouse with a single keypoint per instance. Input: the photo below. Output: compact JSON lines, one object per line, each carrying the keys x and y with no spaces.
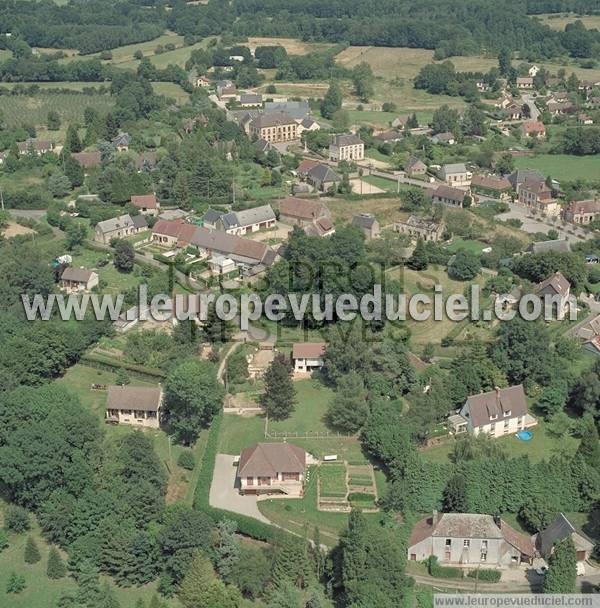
{"x":322,"y":177}
{"x":275,"y":128}
{"x":418,"y":228}
{"x":558,"y":108}
{"x":35,"y":146}
{"x":305,"y":166}
{"x":513,"y":111}
{"x":308,"y":356}
{"x":533,"y":128}
{"x":135,"y":405}
{"x":146,"y":203}
{"x":118,"y":228}
{"x":277,"y":468}
{"x":321,"y":227}
{"x":446,"y":195}
{"x":415,"y":166}
{"x":456,"y":175}
{"x":582,"y":212}
{"x":249,"y":220}
{"x":74,"y":280}
{"x":496,"y":413}
{"x":368,"y":224}
{"x":560,"y":529}
{"x":346,"y":147}
{"x":518,"y":177}
{"x":301,"y":211}
{"x":469,"y":539}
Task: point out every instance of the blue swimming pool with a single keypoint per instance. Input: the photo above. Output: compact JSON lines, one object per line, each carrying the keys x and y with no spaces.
{"x":524,"y":435}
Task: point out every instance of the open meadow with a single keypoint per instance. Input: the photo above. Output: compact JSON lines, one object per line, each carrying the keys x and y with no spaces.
{"x":562,"y":166}
{"x":558,"y":21}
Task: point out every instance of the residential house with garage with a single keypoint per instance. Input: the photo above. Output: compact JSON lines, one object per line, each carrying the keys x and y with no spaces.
{"x":496,"y":413}
{"x":134,"y":405}
{"x":556,"y":288}
{"x":346,"y":147}
{"x":469,"y":539}
{"x":75,"y":280}
{"x":308,"y":357}
{"x":247,"y":221}
{"x":533,"y":128}
{"x":37,"y":147}
{"x":272,"y":468}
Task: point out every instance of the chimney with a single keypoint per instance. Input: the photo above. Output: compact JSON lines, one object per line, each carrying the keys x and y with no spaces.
{"x":434,"y":518}
{"x":498,"y":521}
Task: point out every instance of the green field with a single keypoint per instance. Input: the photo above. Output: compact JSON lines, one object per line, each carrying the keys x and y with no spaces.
{"x":171,"y":89}
{"x":559,"y":21}
{"x":562,"y":166}
{"x":468,"y":245}
{"x":18,"y":109}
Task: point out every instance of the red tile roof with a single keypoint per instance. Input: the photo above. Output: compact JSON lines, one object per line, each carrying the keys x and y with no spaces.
{"x":308,"y":350}
{"x":147,"y":201}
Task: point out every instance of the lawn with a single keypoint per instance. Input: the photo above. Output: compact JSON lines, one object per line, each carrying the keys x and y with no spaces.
{"x":562,"y":166}
{"x":42,"y":592}
{"x":390,"y":185}
{"x":117,"y":282}
{"x":292,"y":45}
{"x":386,"y":210}
{"x":542,"y":446}
{"x":468,"y":245}
{"x":70,"y":106}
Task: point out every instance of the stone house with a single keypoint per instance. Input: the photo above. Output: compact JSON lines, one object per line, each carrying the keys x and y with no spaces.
{"x":247,"y":221}
{"x":415,"y":166}
{"x":533,"y":128}
{"x":447,"y":195}
{"x":525,"y":82}
{"x":118,"y":228}
{"x":146,"y":203}
{"x":469,"y":539}
{"x":582,"y":212}
{"x":490,"y":185}
{"x":277,"y":127}
{"x":347,"y":147}
{"x":560,"y":529}
{"x":35,"y":146}
{"x":536,"y":194}
{"x":557,"y":287}
{"x":323,"y":177}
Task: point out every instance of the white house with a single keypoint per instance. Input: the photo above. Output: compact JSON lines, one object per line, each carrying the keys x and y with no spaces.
{"x":308,"y":356}
{"x":497,"y":413}
{"x":134,"y":405}
{"x":346,"y":147}
{"x":456,"y":175}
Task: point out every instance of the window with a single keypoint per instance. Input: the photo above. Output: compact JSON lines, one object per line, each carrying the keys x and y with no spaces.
{"x":493,"y":416}
{"x":484,"y":545}
{"x":250,"y":481}
{"x":507,"y":413}
{"x":483,"y":556}
{"x":448,"y":542}
{"x":466,"y":543}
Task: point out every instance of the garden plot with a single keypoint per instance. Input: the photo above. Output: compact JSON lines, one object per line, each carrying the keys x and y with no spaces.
{"x":342,"y":486}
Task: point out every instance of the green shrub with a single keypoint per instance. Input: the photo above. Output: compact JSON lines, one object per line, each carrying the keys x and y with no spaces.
{"x":489,"y":576}
{"x":186,"y":460}
{"x":16,"y":519}
{"x":3,"y":540}
{"x":437,"y":571}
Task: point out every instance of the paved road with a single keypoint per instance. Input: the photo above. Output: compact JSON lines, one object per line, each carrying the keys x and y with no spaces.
{"x":225,"y":495}
{"x":529,"y":99}
{"x":537,"y":224}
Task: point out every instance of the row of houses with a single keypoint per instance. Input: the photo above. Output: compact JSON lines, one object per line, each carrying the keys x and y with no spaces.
{"x":241,"y":223}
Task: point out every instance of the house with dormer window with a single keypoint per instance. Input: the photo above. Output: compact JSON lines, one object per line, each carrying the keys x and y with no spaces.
{"x":497,"y":413}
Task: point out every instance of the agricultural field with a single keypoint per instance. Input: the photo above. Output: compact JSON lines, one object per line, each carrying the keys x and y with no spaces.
{"x":559,"y":21}
{"x":34,"y":110}
{"x":293,"y":46}
{"x":562,"y":166}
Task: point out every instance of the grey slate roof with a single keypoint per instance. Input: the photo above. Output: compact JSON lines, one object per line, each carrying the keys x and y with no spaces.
{"x":263,"y":145}
{"x":454,"y":168}
{"x":145,"y":398}
{"x":212,"y":215}
{"x":521,"y":175}
{"x":139,"y":221}
{"x":346,"y":140}
{"x":247,"y":217}
{"x":79,"y":275}
{"x":272,"y":120}
{"x":115,"y":223}
{"x":296,"y":109}
{"x":364,"y":220}
{"x":323,"y":174}
{"x":558,"y":530}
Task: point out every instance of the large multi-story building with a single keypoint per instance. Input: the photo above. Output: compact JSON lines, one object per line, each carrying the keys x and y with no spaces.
{"x":346,"y":147}
{"x":277,"y":127}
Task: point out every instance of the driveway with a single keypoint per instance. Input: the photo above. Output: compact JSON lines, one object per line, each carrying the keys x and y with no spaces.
{"x":224,"y":494}
{"x":529,"y":100}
